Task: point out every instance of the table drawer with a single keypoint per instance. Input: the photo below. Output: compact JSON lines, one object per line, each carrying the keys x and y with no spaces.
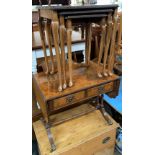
{"x":67,"y":100}
{"x":100,"y":89}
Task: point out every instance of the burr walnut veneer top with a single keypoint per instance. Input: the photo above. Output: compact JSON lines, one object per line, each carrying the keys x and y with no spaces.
{"x":83,"y":79}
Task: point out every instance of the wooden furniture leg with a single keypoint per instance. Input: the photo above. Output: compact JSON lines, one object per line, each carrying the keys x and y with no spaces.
{"x":55,"y":26}
{"x":96,"y":46}
{"x":42,"y":36}
{"x":104,"y":113}
{"x":89,"y":42}
{"x":49,"y":134}
{"x":82,"y":31}
{"x":49,"y":38}
{"x":62,"y":33}
{"x":86,"y":45}
{"x":112,"y":45}
{"x":120,"y":34}
{"x":69,"y":44}
{"x":108,"y":38}
{"x":102,"y":44}
{"x":74,"y":56}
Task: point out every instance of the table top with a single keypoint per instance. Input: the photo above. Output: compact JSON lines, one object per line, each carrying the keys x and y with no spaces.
{"x":78,"y":7}
{"x":64,"y":13}
{"x":83,"y":78}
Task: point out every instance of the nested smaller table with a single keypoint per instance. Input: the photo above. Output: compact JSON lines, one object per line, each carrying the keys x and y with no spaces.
{"x":60,"y":19}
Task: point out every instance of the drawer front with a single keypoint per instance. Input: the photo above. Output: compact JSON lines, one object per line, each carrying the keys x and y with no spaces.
{"x":102,"y":142}
{"x":100,"y":89}
{"x":67,"y":100}
{"x":106,"y":151}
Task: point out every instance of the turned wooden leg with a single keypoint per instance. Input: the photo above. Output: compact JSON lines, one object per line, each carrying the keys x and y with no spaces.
{"x":108,"y":38}
{"x":112,"y":45}
{"x":55,"y":27}
{"x":89,"y":42}
{"x":96,"y":46}
{"x":62,"y":34}
{"x":49,"y":38}
{"x":69,"y":44}
{"x":42,"y":36}
{"x":120,"y":34}
{"x":82,"y":31}
{"x":86,"y":46}
{"x":102,"y":44}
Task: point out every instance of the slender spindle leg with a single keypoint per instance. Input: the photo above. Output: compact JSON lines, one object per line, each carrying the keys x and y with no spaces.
{"x":86,"y":46}
{"x":96,"y":46}
{"x":82,"y":31}
{"x":102,"y":44}
{"x":69,"y":44}
{"x":49,"y":38}
{"x":62,"y":34}
{"x":55,"y":26}
{"x":89,"y":42}
{"x":42,"y":36}
{"x":108,"y":38}
{"x":120,"y":34}
{"x":112,"y":45}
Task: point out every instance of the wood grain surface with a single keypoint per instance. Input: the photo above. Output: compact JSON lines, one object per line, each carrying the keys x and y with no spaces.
{"x":81,"y":136}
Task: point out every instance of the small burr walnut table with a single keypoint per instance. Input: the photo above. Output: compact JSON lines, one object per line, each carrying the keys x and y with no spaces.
{"x":87,"y":86}
{"x":60,"y":19}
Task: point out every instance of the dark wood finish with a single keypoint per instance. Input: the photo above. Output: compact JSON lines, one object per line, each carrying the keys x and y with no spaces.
{"x":86,"y":16}
{"x":104,"y":113}
{"x":45,"y":2}
{"x":78,"y":7}
{"x":50,"y":135}
{"x":85,"y":12}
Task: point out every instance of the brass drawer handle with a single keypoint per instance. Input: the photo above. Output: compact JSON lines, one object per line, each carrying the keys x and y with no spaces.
{"x":69,"y":99}
{"x":105,"y":140}
{"x":100,"y":89}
